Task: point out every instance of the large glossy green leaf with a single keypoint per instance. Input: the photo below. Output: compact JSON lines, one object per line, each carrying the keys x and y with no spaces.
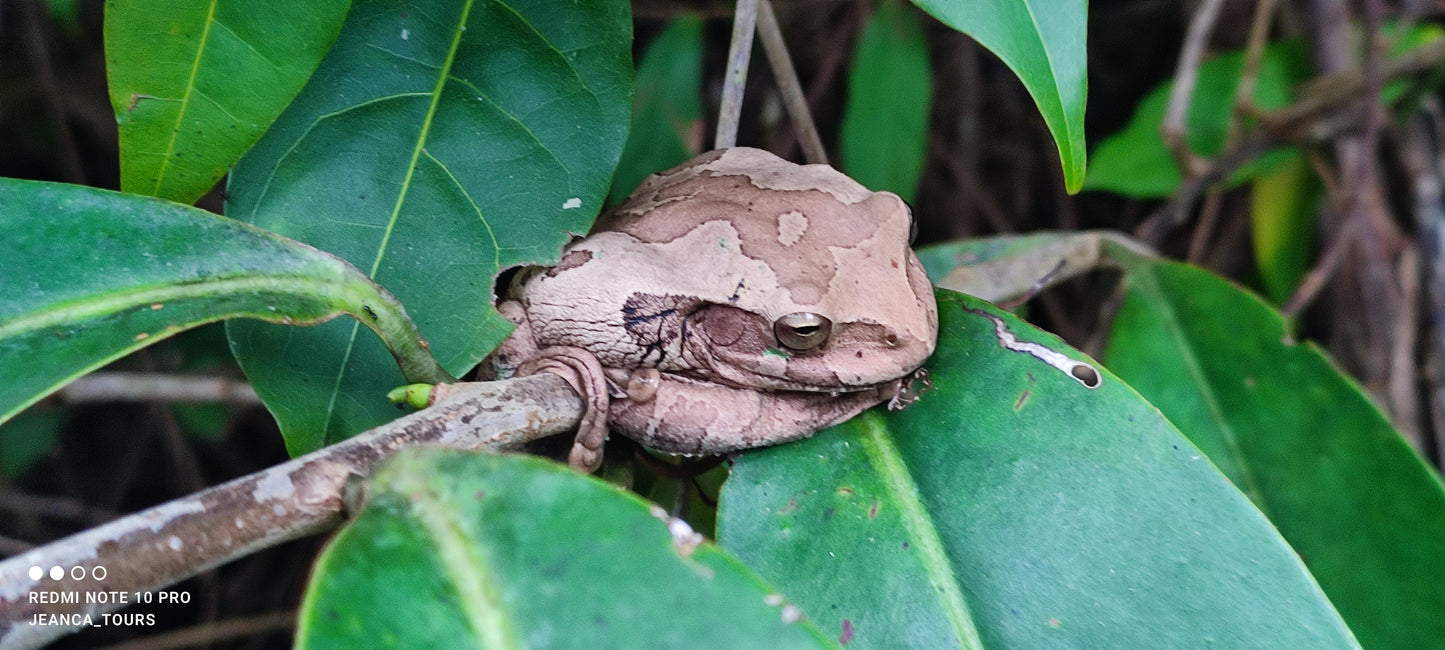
{"x":1043,"y":43}
{"x":667,"y":109}
{"x":438,"y":143}
{"x":1135,"y":161}
{"x":464,"y":550}
{"x":1363,"y":510}
{"x":884,"y":136}
{"x":195,"y":84}
{"x":1016,"y":502}
{"x":89,"y":275}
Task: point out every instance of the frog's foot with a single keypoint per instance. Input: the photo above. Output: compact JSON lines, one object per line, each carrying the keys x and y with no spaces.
{"x":583,"y":372}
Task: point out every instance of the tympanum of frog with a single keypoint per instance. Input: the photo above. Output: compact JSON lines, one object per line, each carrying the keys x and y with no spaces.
{"x":737,"y":300}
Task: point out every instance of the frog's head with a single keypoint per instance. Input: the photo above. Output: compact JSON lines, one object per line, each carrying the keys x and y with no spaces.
{"x":803,"y":279}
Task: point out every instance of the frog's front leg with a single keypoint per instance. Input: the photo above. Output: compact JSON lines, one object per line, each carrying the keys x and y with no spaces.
{"x":520,"y":356}
{"x":682,"y":416}
{"x":583,"y":372}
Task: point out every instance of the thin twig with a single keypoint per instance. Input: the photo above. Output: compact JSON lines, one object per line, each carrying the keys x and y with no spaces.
{"x":1316,"y":278}
{"x":1402,"y":394}
{"x":1327,"y":94}
{"x":174,"y":541}
{"x":788,"y":86}
{"x":740,"y":51}
{"x":1321,"y":114}
{"x":1249,"y":75}
{"x":1174,"y":130}
{"x":1421,"y":155}
{"x":1204,"y":228}
{"x":1153,"y":229}
{"x":149,"y":386}
{"x":974,"y":188}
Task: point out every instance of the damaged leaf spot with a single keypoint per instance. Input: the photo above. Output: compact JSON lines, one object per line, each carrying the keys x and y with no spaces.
{"x":1024,"y":396}
{"x":1085,"y":374}
{"x":685,"y":540}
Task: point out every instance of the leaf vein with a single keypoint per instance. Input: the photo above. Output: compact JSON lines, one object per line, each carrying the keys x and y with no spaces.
{"x":186,"y":98}
{"x":888,"y":462}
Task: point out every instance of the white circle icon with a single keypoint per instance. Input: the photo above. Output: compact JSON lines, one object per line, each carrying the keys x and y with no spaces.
{"x":36,"y":573}
{"x":56,"y":573}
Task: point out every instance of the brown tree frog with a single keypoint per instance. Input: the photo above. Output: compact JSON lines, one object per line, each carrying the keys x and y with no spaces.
{"x":737,"y":300}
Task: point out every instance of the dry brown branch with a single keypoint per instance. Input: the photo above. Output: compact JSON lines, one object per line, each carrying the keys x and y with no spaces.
{"x":174,"y":541}
{"x":146,"y":387}
{"x":735,"y":81}
{"x":1322,"y":113}
{"x":788,"y":85}
{"x":1249,"y":74}
{"x":1175,"y":130}
{"x":1421,"y":155}
{"x":1204,"y":228}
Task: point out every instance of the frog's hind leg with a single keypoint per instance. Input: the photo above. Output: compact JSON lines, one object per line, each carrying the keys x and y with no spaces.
{"x":584,"y":373}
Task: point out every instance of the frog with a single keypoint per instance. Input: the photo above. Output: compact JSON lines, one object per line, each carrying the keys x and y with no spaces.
{"x":737,"y":300}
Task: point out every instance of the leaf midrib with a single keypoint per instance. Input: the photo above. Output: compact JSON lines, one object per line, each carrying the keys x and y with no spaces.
{"x":443,"y":75}
{"x":186,"y":97}
{"x":460,"y":557}
{"x":1146,"y":282}
{"x":888,"y":462}
{"x":75,"y":311}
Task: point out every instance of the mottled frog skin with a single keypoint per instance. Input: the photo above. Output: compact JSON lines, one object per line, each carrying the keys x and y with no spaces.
{"x":737,"y":300}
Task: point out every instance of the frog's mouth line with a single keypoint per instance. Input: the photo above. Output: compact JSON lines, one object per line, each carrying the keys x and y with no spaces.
{"x":773,"y":385}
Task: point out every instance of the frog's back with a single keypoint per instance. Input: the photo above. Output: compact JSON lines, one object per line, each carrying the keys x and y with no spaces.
{"x":737,"y":184}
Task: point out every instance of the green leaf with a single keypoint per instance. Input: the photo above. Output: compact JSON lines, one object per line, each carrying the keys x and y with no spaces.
{"x":91,"y":275}
{"x":1014,"y":501}
{"x":1136,"y":163}
{"x":667,"y":116}
{"x":883,"y":140}
{"x":438,"y":143}
{"x":1282,"y":220}
{"x":1363,"y":510}
{"x":1043,"y":43}
{"x":477,"y":550}
{"x":195,"y":84}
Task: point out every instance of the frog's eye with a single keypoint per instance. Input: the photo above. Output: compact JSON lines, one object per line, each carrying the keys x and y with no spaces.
{"x":802,"y":330}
